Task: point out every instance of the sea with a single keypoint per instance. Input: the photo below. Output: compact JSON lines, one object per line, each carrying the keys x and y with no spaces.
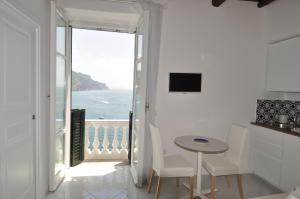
{"x":103,"y":104}
{"x":107,"y":105}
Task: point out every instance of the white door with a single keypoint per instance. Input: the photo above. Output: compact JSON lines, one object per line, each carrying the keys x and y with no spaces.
{"x":139,"y":100}
{"x":59,"y":98}
{"x":18,"y":63}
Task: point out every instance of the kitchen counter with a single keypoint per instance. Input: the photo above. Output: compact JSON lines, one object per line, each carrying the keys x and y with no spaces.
{"x":276,"y":128}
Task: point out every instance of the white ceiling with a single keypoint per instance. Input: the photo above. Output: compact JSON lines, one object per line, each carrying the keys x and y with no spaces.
{"x":126,"y":22}
{"x":106,"y":14}
{"x":162,"y":2}
{"x":123,"y":6}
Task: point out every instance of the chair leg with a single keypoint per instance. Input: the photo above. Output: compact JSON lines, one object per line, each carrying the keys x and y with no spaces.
{"x":158,"y":188}
{"x":228,"y":181}
{"x":150,"y":179}
{"x":212,"y":187}
{"x":192,"y":187}
{"x":177,"y":185}
{"x":240,"y":185}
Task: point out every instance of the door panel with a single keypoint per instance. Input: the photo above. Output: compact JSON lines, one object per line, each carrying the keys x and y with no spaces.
{"x":19,"y":170}
{"x":139,"y":100}
{"x":59,"y":153}
{"x":18,"y":41}
{"x":60,"y":93}
{"x":58,"y":107}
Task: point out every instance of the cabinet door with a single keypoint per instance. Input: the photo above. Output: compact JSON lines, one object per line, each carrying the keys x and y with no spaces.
{"x":267,"y":155}
{"x":283,"y":69}
{"x":282,"y":20}
{"x":290,"y":177}
{"x":267,"y":167}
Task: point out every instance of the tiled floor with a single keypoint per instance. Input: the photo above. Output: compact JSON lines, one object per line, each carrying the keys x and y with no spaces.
{"x":112,"y":180}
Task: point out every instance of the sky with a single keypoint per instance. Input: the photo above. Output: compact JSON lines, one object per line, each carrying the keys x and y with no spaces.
{"x":107,"y":56}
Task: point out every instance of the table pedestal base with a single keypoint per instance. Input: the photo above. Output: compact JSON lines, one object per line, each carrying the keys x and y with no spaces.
{"x":196,"y":196}
{"x":198,"y":192}
{"x":203,"y":192}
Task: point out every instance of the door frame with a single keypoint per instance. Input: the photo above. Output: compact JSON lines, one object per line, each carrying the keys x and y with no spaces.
{"x":37,"y":89}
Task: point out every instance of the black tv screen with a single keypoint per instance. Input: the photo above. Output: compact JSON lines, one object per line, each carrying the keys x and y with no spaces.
{"x":185,"y":82}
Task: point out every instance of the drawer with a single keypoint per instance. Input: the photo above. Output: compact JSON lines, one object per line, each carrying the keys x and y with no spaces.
{"x":267,"y":148}
{"x":267,"y":135}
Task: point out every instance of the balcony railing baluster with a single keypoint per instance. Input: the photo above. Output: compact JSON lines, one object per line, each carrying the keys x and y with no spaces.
{"x":96,"y":141}
{"x":117,"y":149}
{"x":124,"y":143}
{"x":115,"y":143}
{"x":105,"y":141}
{"x":87,"y":143}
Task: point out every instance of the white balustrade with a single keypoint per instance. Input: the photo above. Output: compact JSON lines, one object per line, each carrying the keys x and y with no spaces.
{"x":103,"y":140}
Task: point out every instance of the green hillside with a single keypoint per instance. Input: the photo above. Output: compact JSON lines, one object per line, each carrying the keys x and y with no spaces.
{"x":83,"y":82}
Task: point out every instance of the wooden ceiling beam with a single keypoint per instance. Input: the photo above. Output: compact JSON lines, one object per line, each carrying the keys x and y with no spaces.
{"x":260,"y":3}
{"x":263,"y":3}
{"x":217,"y":3}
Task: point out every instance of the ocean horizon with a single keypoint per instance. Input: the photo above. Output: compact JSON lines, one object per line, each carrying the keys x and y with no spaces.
{"x":104,"y":104}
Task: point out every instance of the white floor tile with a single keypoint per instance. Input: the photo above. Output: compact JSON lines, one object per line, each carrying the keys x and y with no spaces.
{"x":109,"y":180}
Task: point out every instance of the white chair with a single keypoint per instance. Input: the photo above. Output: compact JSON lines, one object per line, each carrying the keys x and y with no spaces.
{"x":230,"y":163}
{"x":167,"y":166}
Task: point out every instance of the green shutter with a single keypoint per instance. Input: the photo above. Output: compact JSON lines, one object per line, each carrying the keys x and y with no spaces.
{"x":77,"y":136}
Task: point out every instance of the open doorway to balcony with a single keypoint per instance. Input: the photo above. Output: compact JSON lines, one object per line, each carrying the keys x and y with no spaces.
{"x":102,"y":85}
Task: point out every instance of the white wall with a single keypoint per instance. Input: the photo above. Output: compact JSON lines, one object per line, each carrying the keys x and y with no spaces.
{"x":226,"y":45}
{"x":39,"y":11}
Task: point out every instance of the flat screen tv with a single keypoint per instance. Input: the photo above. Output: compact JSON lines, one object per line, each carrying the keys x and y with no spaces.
{"x":185,"y":82}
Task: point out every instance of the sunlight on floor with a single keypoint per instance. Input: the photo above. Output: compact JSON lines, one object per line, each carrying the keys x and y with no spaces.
{"x":86,"y":169}
{"x":113,"y":180}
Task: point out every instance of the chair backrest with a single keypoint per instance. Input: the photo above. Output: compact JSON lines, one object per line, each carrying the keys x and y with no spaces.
{"x":158,"y":160}
{"x":236,"y":140}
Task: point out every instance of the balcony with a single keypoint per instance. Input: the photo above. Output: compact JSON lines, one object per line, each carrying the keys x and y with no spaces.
{"x":106,"y":140}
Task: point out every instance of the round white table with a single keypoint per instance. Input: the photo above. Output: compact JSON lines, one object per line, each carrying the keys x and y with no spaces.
{"x":212,"y":146}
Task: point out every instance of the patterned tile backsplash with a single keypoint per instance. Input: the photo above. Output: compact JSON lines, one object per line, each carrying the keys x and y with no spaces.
{"x":268,"y":111}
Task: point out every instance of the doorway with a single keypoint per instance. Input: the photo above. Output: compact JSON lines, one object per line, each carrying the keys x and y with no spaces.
{"x":106,"y":139}
{"x":102,"y":85}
